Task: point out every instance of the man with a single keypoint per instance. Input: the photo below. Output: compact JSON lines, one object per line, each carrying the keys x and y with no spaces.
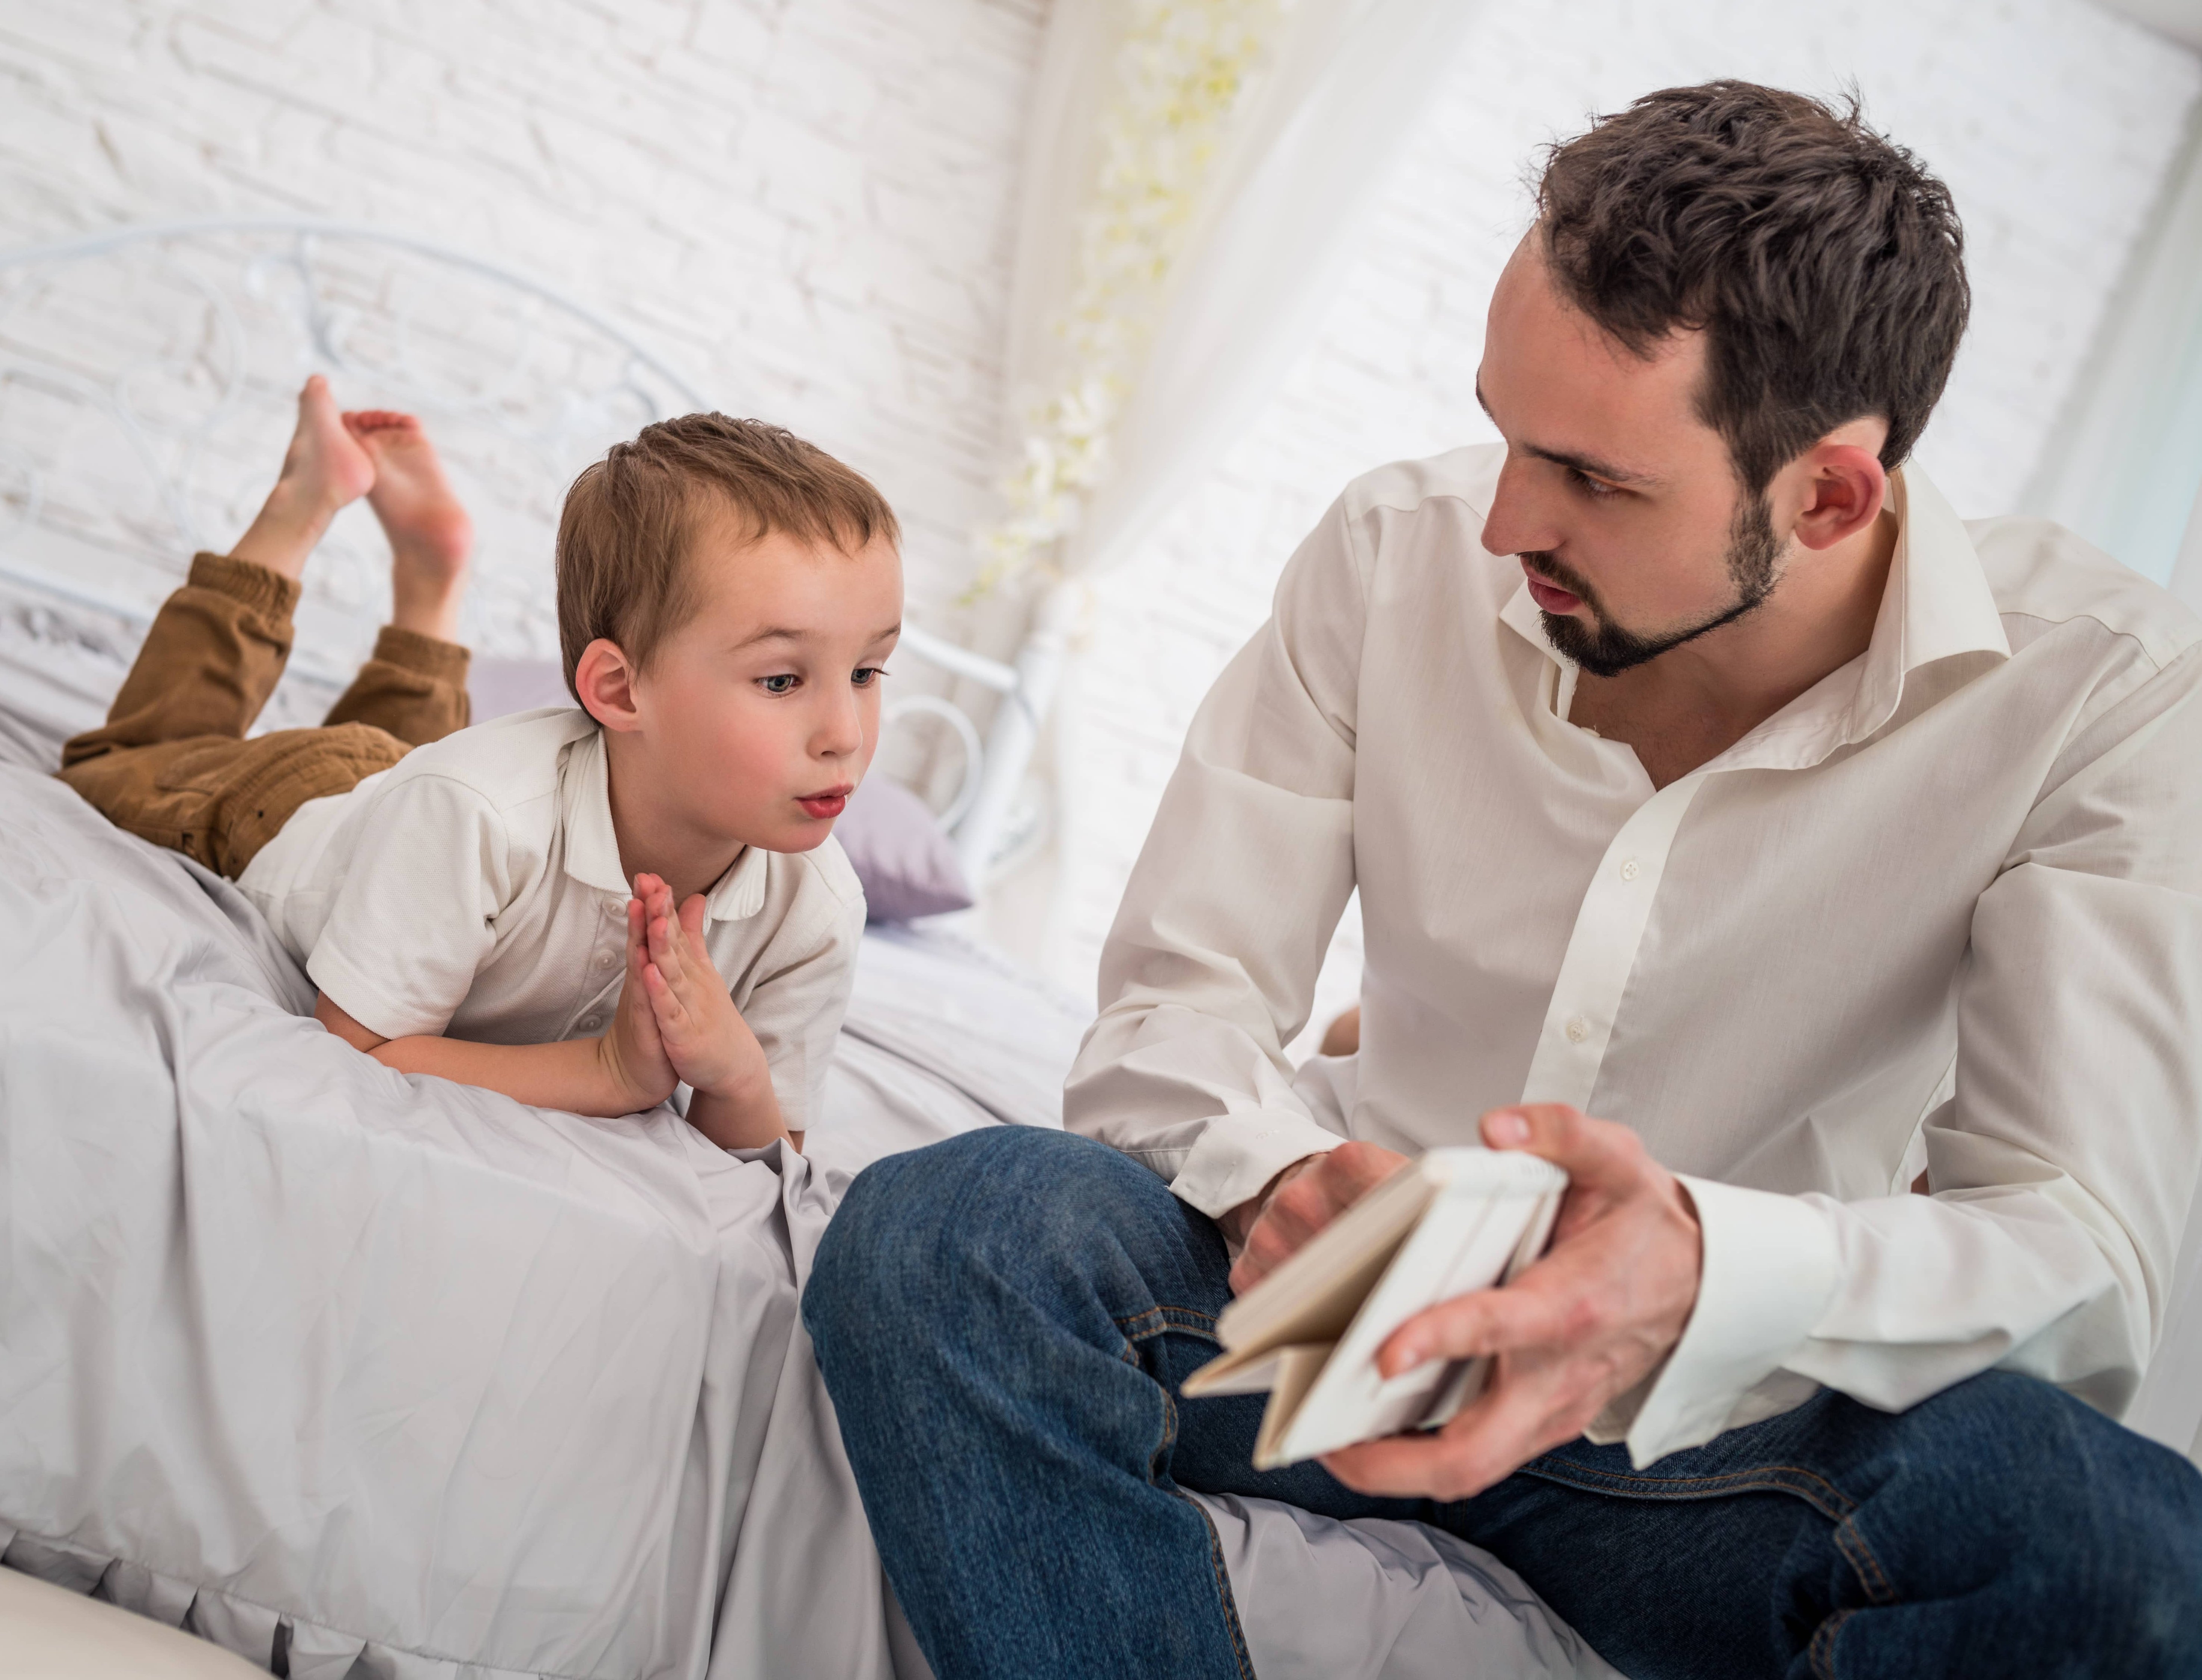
{"x":1699,"y":771}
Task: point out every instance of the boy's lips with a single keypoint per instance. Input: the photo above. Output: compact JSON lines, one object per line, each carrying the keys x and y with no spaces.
{"x":828,"y":804}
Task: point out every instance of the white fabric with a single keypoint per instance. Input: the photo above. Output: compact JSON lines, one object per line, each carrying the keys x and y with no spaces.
{"x":475,"y":890}
{"x":2123,"y":465}
{"x":1304,"y":162}
{"x":1376,"y":1599}
{"x":1977,"y":841}
{"x":429,"y":1376}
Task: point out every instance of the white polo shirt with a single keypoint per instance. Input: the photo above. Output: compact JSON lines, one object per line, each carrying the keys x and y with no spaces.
{"x":475,"y":890}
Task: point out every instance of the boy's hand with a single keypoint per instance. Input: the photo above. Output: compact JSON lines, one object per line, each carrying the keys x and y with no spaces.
{"x":631,"y":1053}
{"x":706,"y":1039}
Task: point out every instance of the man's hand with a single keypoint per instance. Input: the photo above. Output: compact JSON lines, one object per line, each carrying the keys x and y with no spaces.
{"x":1300,"y":1202}
{"x":1586,"y":1322}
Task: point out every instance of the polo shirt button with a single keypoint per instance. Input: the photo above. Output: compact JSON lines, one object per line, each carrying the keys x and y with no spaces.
{"x":1578,"y":1030}
{"x":1628,"y":870}
{"x":591,"y":1023}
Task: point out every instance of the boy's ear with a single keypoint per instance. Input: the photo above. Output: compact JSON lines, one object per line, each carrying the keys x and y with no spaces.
{"x":605,"y":682}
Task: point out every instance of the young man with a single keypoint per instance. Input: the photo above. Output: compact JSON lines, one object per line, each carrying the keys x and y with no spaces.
{"x":726,"y":594}
{"x":1698,"y":769}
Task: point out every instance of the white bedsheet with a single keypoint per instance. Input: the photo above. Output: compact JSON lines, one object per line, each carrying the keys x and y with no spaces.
{"x":403,"y":1368}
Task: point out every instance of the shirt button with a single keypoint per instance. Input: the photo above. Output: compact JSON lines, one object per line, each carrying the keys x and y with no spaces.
{"x":603,"y":958}
{"x":1578,"y":1030}
{"x":616,"y":905}
{"x":591,"y":1023}
{"x":1628,"y":870}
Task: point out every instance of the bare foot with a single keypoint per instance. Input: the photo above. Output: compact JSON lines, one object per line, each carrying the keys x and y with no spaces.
{"x":431,"y":536}
{"x":323,"y":469}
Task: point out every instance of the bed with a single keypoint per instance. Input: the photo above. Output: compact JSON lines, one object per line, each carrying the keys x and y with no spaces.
{"x":360,"y":1374}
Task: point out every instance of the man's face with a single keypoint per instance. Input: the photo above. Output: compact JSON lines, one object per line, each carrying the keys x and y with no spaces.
{"x":1621,"y":504}
{"x":761,"y":712}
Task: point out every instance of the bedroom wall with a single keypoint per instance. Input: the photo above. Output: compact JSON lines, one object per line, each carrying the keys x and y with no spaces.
{"x":808,"y":203}
{"x":2053,"y":120}
{"x":804,"y":203}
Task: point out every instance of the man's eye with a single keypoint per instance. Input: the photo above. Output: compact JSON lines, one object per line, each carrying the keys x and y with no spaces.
{"x":1596,"y":489}
{"x":783,"y":684}
{"x":865,"y":675}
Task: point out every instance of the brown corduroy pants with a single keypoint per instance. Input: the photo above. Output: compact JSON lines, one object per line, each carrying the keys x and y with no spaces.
{"x":171,"y":763}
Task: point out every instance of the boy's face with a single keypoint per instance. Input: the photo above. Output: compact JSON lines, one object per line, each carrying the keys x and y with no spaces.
{"x":760,"y":713}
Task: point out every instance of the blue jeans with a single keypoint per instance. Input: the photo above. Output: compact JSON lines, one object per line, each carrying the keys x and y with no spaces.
{"x":1003,"y":1320}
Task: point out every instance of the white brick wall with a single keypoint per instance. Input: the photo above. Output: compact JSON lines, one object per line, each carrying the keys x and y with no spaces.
{"x":2053,"y":122}
{"x":805,"y":205}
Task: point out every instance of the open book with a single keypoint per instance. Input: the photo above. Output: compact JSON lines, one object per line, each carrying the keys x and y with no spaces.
{"x":1455,"y":1221}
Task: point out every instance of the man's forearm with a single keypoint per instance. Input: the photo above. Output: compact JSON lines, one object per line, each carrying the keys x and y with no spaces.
{"x":573,"y":1074}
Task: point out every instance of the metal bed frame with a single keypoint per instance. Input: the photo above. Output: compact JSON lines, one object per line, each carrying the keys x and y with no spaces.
{"x":306,"y":277}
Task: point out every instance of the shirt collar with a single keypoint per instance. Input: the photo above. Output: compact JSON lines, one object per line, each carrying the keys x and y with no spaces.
{"x":1936,"y":605}
{"x":593,"y":845}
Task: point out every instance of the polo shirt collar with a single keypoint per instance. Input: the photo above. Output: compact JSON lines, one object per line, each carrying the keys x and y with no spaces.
{"x":1936,"y":605}
{"x":592,"y":856}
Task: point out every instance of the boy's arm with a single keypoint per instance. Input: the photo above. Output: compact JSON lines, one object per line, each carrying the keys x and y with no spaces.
{"x":621,"y":1072}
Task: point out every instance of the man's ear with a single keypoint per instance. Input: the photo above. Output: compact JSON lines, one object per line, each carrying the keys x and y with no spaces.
{"x":604,"y":678}
{"x":1846,"y":487}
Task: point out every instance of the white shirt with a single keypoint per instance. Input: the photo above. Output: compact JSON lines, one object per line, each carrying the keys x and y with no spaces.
{"x":1975,"y":850}
{"x":475,"y":890}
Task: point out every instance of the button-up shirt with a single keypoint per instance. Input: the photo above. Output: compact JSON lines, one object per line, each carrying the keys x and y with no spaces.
{"x":1945,"y":906}
{"x":475,"y":890}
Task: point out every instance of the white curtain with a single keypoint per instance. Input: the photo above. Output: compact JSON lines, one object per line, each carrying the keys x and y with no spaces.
{"x":2124,"y":470}
{"x":2124,"y":467}
{"x":1345,"y":86}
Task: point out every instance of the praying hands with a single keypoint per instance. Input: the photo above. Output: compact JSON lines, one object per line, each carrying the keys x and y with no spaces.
{"x":675,"y":1003}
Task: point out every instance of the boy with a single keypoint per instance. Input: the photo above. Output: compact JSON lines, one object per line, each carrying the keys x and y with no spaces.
{"x":726,"y":594}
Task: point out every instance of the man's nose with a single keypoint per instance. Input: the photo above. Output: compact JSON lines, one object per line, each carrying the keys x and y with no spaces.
{"x":1515,"y":526}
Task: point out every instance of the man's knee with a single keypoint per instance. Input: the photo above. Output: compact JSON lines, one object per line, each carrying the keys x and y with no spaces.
{"x":2008,"y":1486}
{"x":918,"y":1232}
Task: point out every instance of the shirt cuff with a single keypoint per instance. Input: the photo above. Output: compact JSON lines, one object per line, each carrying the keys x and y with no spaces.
{"x":1238,"y":1153}
{"x":1769,"y":1268}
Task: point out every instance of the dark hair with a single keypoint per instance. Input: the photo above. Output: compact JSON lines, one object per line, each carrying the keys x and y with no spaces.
{"x":631,"y":519}
{"x":1825,"y":265}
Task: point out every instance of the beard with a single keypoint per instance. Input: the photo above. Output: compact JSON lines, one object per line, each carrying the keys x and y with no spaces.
{"x":1603,"y":649}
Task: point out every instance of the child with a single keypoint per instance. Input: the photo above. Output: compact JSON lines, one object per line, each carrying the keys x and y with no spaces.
{"x":726,"y":594}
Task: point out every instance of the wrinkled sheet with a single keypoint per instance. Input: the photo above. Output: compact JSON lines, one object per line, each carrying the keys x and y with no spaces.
{"x":300,"y":1348}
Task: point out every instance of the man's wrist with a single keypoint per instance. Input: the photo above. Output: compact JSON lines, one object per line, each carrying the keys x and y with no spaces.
{"x":1236,"y":1222}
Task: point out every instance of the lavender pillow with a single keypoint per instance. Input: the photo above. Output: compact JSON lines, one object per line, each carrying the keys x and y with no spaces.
{"x":899,"y":853}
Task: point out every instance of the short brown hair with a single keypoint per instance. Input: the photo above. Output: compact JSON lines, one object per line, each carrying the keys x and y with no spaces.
{"x":1825,"y":265}
{"x":631,"y":519}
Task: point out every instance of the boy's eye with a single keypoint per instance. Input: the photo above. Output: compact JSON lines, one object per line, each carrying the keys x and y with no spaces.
{"x":784,"y":682}
{"x":865,"y":675}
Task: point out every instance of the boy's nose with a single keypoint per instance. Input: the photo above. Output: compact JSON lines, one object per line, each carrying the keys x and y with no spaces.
{"x":841,"y":732}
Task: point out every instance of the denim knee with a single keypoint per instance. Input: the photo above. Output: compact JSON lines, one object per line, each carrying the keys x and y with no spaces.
{"x":2011,"y":1487}
{"x":917,"y":1231}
